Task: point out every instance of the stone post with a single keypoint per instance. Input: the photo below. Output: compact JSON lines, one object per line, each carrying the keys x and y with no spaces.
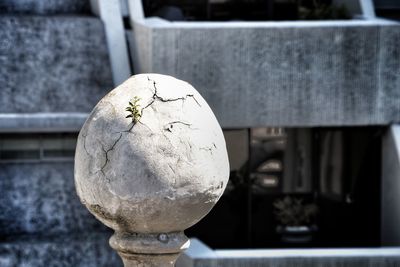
{"x":150,"y":162}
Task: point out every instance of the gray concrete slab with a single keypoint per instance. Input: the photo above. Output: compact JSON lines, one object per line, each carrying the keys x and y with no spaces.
{"x":40,"y":199}
{"x":200,"y":255}
{"x":44,"y":7}
{"x":281,"y":73}
{"x":41,"y":122}
{"x":52,"y":64}
{"x":390,"y":204}
{"x":67,"y":250}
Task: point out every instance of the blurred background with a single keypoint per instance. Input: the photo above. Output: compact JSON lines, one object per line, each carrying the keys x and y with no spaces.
{"x":307,"y":93}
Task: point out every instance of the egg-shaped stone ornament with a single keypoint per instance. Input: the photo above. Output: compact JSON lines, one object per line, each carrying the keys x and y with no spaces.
{"x":151,"y":161}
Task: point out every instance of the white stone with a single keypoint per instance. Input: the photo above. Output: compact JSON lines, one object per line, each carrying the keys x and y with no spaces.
{"x":159,"y":175}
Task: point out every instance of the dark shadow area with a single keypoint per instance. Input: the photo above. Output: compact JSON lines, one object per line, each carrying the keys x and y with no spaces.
{"x":248,"y":10}
{"x":336,"y":171}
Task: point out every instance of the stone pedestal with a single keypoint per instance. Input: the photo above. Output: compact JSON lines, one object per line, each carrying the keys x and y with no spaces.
{"x":150,"y":162}
{"x":149,"y":249}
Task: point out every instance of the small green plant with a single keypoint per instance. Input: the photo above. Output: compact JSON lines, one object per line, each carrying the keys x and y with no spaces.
{"x":291,"y":211}
{"x":134,"y":110}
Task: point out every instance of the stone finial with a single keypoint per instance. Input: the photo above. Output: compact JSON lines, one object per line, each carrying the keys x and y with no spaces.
{"x":150,"y":162}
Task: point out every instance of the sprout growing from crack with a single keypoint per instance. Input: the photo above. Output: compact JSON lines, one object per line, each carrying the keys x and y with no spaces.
{"x":134,"y":110}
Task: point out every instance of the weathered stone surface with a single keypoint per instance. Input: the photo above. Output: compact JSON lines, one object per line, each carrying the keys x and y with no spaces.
{"x":52,"y":64}
{"x":83,"y":250}
{"x":40,"y":199}
{"x":44,"y":6}
{"x":151,"y":177}
{"x":281,"y":73}
{"x":174,"y":159}
{"x":389,"y":72}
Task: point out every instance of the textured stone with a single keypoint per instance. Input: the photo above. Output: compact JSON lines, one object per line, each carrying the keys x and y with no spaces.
{"x":390,"y":203}
{"x":199,"y":255}
{"x":174,"y":157}
{"x":83,"y":250}
{"x":281,"y":73}
{"x":389,"y":72}
{"x":52,"y":64}
{"x":151,"y":177}
{"x":44,"y":7}
{"x":42,"y":122}
{"x":40,"y":199}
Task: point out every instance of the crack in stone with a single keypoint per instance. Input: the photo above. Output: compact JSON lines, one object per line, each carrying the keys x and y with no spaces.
{"x":209,"y":149}
{"x":129,"y":131}
{"x":107,"y":151}
{"x":84,"y":143}
{"x":125,"y":131}
{"x":181,"y":122}
{"x":169,"y":141}
{"x":170,"y":125}
{"x":172,"y":169}
{"x":159,"y":98}
{"x":167,"y":127}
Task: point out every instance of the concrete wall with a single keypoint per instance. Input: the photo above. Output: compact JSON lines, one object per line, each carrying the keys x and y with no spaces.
{"x":390,"y":230}
{"x":40,"y":198}
{"x":199,"y":255}
{"x":54,"y":67}
{"x":281,"y":73}
{"x":84,"y":250}
{"x":44,"y":6}
{"x":52,"y":64}
{"x":42,"y":222}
